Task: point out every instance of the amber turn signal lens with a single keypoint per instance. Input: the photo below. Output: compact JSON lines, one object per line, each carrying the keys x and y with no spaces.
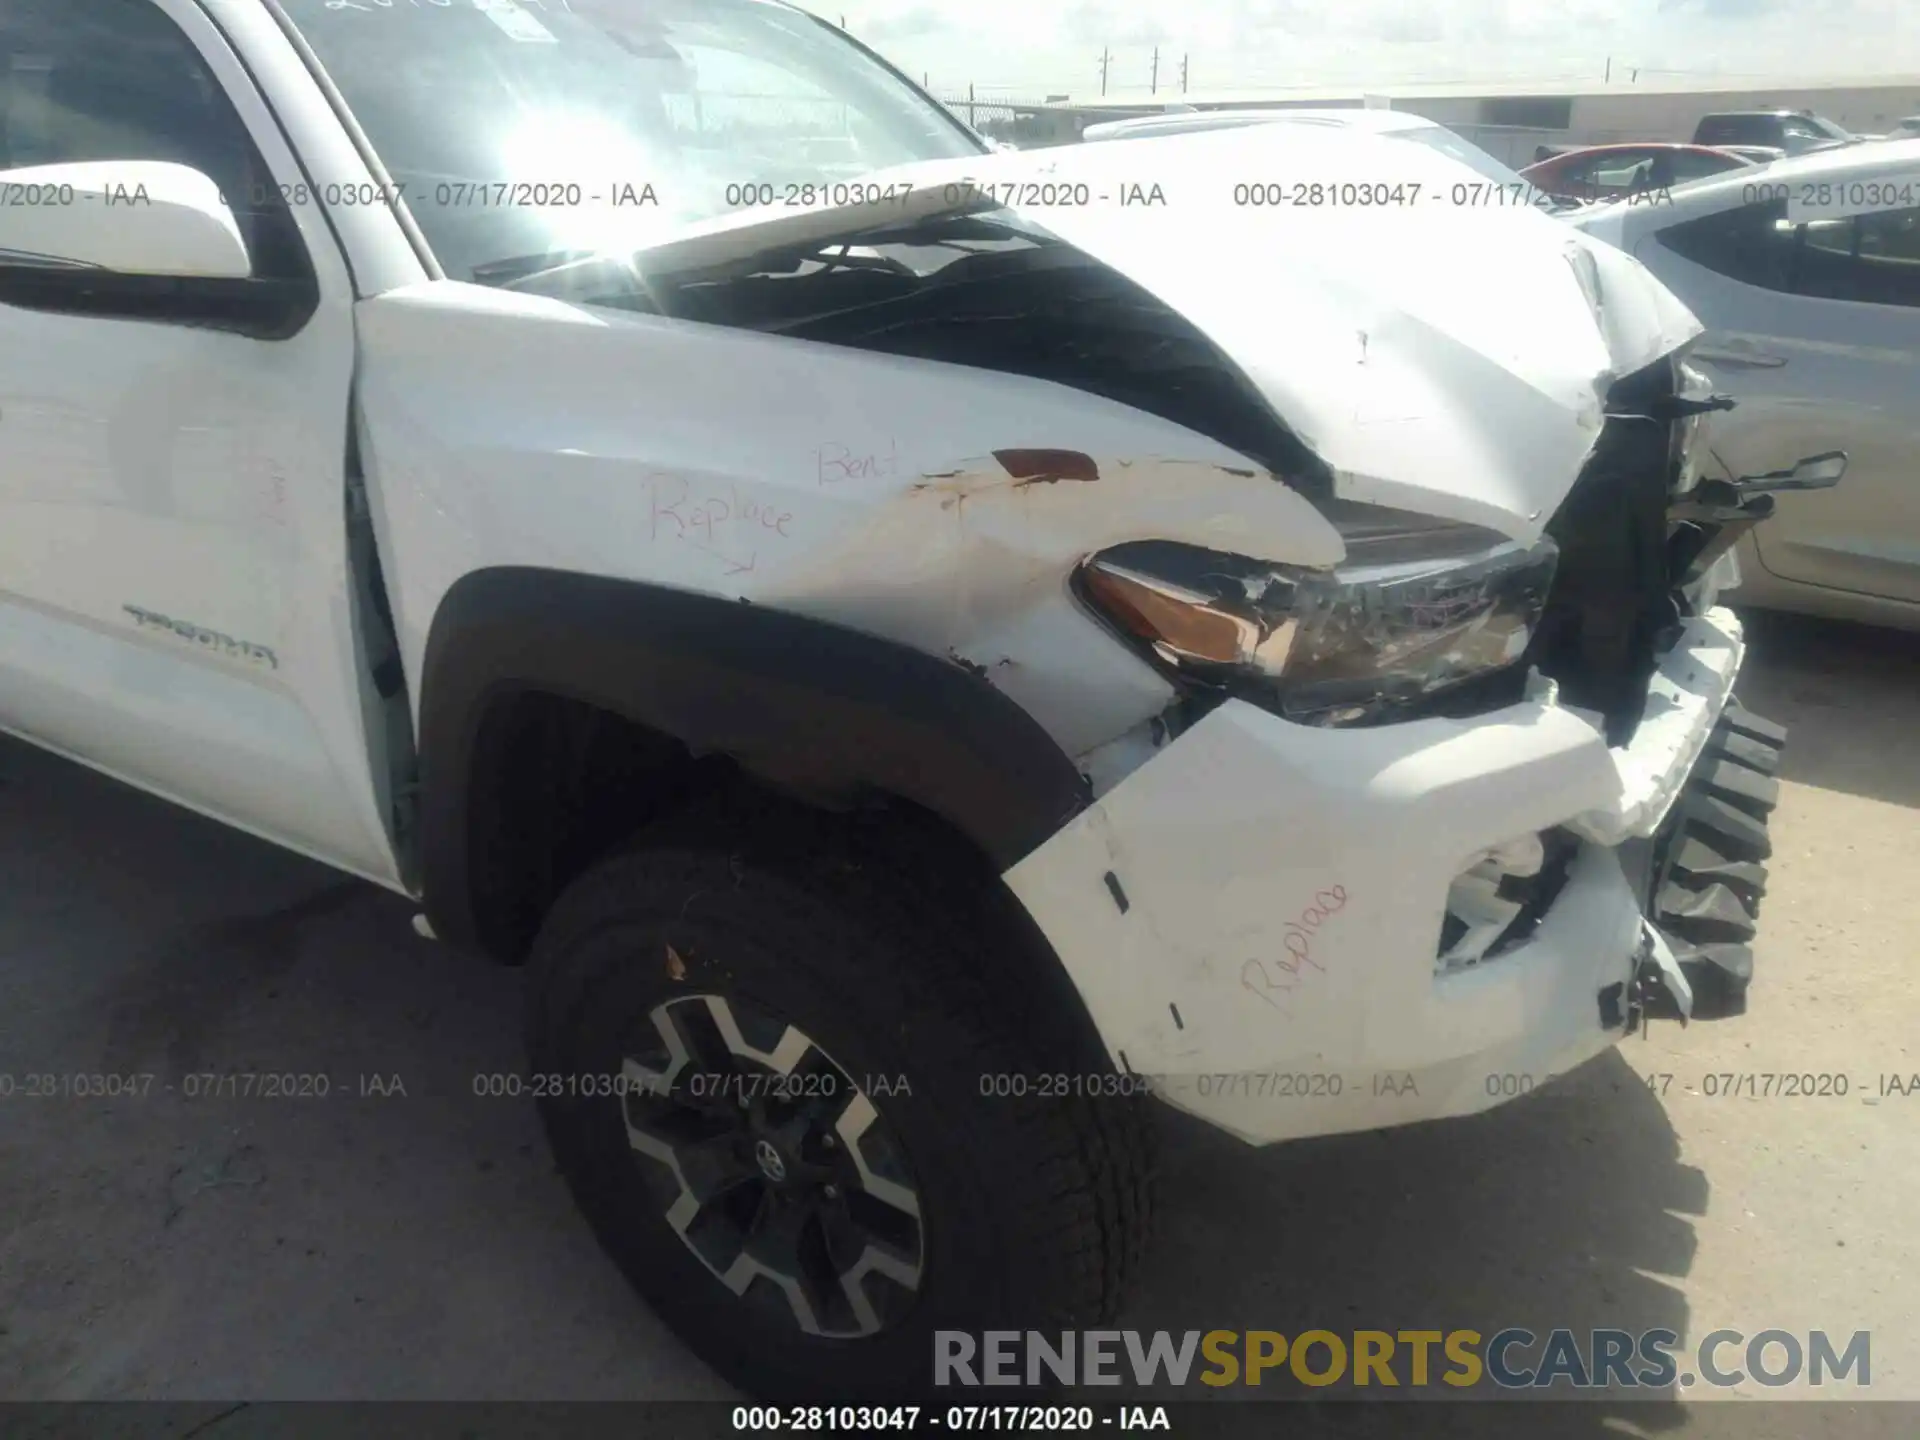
{"x":1184,"y":624}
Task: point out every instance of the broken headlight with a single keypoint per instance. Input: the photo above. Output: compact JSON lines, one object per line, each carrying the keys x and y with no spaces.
{"x":1417,"y":608}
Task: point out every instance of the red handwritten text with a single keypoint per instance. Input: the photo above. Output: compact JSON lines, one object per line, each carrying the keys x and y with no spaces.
{"x":1280,"y":977}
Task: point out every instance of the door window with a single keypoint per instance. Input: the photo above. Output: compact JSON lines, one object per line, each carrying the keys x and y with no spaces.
{"x":1617,"y":171}
{"x":1753,"y":244}
{"x":1868,"y":259}
{"x":1798,"y":135}
{"x":1735,"y":130}
{"x":1694,"y":165}
{"x":1887,"y":257}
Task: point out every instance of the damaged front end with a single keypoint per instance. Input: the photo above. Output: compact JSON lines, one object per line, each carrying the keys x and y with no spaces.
{"x":1561,"y":710}
{"x":1426,"y":616}
{"x":989,"y":292}
{"x":1645,"y":548}
{"x":1605,"y":616}
{"x":1438,"y":765}
{"x":1355,"y":557}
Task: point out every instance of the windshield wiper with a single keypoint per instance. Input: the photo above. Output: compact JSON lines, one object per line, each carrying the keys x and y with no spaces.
{"x":841,"y":257}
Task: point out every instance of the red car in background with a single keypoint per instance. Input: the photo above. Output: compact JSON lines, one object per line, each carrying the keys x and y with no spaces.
{"x":1609,"y":172}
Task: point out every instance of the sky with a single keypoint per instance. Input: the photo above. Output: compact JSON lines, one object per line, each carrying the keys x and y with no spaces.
{"x":1028,"y":48}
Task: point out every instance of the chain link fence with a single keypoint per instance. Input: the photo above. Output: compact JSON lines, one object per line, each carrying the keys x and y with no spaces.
{"x":1022,"y":120}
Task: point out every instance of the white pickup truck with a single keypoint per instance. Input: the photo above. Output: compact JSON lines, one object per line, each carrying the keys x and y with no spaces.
{"x":925,"y":650}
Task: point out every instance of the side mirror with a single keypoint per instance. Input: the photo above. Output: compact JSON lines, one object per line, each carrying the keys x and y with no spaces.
{"x":1816,"y":472}
{"x":125,"y":216}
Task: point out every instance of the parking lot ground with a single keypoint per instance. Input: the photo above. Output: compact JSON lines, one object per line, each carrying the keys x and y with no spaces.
{"x":406,"y":1237}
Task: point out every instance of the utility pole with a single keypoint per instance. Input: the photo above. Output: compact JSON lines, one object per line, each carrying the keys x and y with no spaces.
{"x":1609,"y":68}
{"x":1106,"y":58}
{"x":1183,"y":74}
{"x":1153,"y":84}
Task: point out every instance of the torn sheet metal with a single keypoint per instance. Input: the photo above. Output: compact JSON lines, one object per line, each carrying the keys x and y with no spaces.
{"x":1286,"y":887}
{"x":1656,"y":952}
{"x":1481,"y":902}
{"x":1440,"y":344}
{"x":1445,"y":356}
{"x":939,"y":505}
{"x":1684,"y":701}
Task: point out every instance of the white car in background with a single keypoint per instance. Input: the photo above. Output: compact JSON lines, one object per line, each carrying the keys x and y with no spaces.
{"x":1807,"y":277}
{"x":1397,"y":123}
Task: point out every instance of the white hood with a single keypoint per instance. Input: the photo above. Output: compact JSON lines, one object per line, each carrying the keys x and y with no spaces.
{"x":1447,"y":351}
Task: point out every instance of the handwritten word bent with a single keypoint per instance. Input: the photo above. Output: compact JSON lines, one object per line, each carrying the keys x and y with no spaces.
{"x":834,"y":462}
{"x":1281,"y":977}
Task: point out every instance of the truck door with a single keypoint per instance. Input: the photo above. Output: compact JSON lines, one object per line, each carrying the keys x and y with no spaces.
{"x":174,"y":600}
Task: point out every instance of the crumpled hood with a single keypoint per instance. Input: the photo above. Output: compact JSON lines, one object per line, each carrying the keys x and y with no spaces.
{"x":1445,"y":349}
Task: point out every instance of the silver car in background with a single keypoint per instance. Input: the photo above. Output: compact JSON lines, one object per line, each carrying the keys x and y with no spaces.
{"x":1806,"y":275}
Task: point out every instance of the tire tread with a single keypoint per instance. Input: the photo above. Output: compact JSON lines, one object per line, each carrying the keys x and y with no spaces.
{"x":1091,"y":1162}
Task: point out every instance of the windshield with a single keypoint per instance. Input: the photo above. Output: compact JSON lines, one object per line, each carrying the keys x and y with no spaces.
{"x":523,"y":130}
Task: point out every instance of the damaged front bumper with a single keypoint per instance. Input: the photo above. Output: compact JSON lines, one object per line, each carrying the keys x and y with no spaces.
{"x":1255,"y":917}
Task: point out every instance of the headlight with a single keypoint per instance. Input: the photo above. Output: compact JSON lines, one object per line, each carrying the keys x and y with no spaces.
{"x":1417,"y":608}
{"x":1210,"y":615}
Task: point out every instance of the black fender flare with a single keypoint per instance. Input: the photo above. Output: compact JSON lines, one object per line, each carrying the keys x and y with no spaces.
{"x":801,"y":701}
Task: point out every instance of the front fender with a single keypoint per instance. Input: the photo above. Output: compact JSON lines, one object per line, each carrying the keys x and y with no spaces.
{"x":940,"y":506}
{"x":800,"y":702}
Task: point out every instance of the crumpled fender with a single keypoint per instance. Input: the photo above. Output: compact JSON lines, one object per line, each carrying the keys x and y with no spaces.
{"x":935,"y":505}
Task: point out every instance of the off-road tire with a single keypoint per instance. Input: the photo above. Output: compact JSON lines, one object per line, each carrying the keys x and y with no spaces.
{"x":1035,"y":1207}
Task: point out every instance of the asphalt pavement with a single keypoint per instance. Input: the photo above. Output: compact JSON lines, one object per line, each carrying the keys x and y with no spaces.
{"x":403,"y":1236}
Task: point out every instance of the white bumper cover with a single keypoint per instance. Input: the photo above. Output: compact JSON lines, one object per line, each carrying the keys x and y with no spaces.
{"x":1685,"y":697}
{"x":1265,"y":946}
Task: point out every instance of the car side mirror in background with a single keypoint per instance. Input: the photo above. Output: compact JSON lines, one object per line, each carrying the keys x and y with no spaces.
{"x":1816,"y":472}
{"x":147,"y":218}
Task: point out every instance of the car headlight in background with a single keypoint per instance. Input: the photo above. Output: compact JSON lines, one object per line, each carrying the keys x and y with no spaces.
{"x":1418,"y":608}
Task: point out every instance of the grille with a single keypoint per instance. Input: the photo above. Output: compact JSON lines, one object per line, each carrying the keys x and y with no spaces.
{"x":1612,"y":608}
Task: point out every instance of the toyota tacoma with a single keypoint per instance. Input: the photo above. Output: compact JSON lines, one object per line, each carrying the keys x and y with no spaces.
{"x":926,"y":653}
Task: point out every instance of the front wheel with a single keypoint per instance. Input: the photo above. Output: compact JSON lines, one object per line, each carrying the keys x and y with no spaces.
{"x":809,"y":1127}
